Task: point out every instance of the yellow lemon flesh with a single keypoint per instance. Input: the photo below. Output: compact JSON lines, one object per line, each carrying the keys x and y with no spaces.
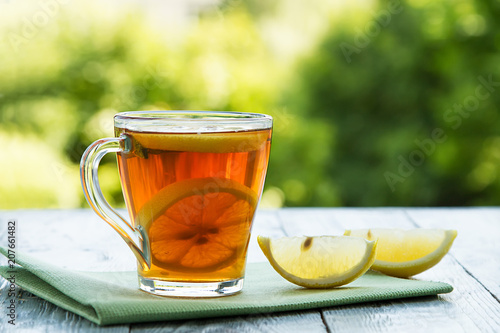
{"x":224,"y":142}
{"x":319,"y":262}
{"x":405,"y":253}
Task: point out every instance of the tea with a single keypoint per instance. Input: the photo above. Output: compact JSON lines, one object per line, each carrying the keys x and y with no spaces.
{"x":195,"y":195}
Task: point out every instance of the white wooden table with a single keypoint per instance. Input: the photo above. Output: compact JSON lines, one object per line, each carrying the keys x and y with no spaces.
{"x":78,"y":239}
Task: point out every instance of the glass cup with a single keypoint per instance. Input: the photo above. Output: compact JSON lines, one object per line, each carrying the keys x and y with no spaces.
{"x":191,"y":182}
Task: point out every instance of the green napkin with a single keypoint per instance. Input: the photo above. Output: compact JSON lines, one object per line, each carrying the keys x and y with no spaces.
{"x":114,"y":297}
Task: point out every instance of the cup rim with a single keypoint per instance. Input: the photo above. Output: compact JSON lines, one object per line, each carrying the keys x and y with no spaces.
{"x":171,"y":115}
{"x":145,"y":120}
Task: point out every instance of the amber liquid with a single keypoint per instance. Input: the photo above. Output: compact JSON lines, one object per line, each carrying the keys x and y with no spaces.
{"x":195,"y":197}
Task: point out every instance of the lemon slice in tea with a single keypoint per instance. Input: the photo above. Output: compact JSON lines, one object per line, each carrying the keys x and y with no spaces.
{"x":199,"y":224}
{"x":223,"y":142}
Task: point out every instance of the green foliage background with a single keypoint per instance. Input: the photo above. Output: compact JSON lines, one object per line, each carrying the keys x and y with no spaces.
{"x":354,"y":90}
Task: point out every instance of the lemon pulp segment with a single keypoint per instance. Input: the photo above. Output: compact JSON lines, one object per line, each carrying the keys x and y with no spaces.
{"x":404,"y":253}
{"x":319,"y":262}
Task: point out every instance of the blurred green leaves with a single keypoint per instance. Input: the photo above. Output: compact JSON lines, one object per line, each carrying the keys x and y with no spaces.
{"x":395,"y":92}
{"x":341,"y":122}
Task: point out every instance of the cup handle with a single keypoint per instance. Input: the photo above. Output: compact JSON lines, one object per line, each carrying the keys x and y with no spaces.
{"x":136,"y":239}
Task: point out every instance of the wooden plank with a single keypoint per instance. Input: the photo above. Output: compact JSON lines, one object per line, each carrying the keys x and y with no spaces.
{"x":304,"y":321}
{"x":317,"y":221}
{"x":469,"y":308}
{"x":470,"y":303}
{"x":476,"y":246}
{"x":265,"y":222}
{"x":408,"y":315}
{"x":73,"y":239}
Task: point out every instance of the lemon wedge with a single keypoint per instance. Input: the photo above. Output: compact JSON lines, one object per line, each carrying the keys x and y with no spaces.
{"x":319,"y":262}
{"x":405,"y":253}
